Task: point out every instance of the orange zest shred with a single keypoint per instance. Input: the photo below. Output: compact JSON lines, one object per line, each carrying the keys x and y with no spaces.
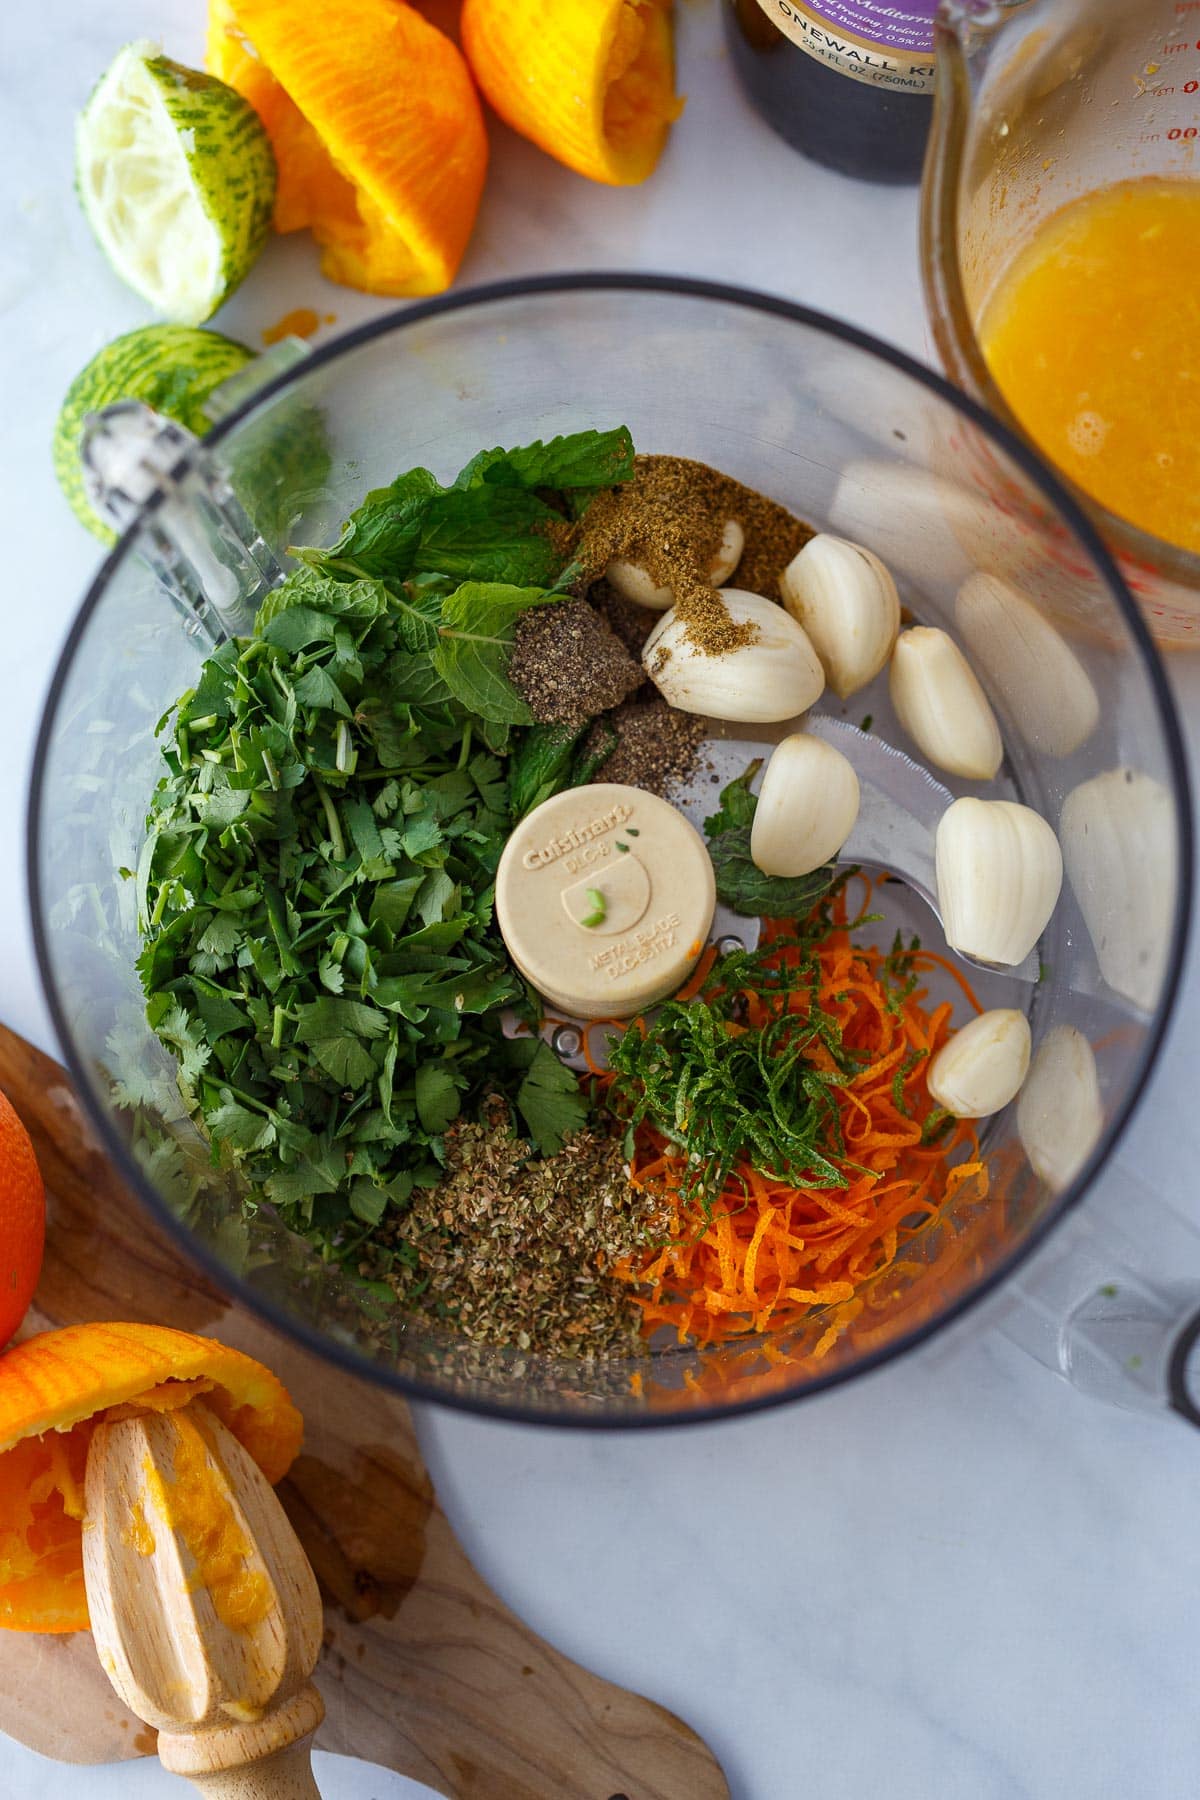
{"x":766,"y":1253}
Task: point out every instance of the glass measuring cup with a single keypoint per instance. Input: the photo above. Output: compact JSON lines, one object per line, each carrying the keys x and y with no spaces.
{"x":1040,"y":102}
{"x":846,"y":432}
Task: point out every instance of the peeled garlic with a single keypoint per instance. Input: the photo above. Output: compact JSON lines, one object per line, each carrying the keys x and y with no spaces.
{"x":928,"y":523}
{"x":999,"y":873}
{"x":1059,"y":1115}
{"x":847,"y":602}
{"x":1030,"y":664}
{"x":982,"y":1067}
{"x":942,"y":706}
{"x":1119,"y":841}
{"x":632,"y":582}
{"x":806,"y":807}
{"x":775,"y":676}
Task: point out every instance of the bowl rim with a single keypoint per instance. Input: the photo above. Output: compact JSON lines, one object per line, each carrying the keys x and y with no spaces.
{"x":1041,"y":477}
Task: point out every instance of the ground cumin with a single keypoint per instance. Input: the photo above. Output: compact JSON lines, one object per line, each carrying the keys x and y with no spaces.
{"x":669,"y":519}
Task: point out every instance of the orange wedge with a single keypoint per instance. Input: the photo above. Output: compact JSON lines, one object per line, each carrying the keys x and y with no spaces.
{"x":377,"y":131}
{"x":52,"y":1388}
{"x":591,"y":81}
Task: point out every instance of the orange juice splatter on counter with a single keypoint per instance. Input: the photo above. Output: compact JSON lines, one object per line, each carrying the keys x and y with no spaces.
{"x":1093,"y":337}
{"x":301,"y":322}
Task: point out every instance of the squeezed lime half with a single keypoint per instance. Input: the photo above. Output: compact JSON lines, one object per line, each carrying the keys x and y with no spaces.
{"x":177,"y":179}
{"x":173,"y":368}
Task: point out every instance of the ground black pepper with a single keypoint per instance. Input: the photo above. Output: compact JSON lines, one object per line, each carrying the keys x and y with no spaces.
{"x":631,"y":623}
{"x":569,"y":665}
{"x":657,"y":748}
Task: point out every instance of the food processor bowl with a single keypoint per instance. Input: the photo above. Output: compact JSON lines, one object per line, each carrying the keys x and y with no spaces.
{"x":847,"y":433}
{"x":1039,"y":102}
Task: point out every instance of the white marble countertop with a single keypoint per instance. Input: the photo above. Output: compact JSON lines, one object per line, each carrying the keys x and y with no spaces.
{"x":958,"y":1580}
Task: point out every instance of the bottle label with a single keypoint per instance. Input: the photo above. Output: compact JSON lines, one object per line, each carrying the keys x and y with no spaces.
{"x":885,"y":46}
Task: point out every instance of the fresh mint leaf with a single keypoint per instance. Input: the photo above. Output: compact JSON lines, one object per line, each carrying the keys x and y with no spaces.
{"x":597,"y":746}
{"x":541,"y":766}
{"x":583,"y":459}
{"x":474,"y":643}
{"x":738,"y":804}
{"x":328,"y":600}
{"x":490,"y":534}
{"x":744,"y":889}
{"x":551,"y":758}
{"x":316,"y":687}
{"x":381,"y":535}
{"x":741,"y":884}
{"x":412,"y":679}
{"x":416,"y":529}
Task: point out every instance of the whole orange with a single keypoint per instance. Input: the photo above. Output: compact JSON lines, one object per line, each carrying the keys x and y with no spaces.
{"x":22,"y":1221}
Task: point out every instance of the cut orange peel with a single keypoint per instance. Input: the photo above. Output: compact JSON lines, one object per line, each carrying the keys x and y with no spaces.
{"x":591,"y":81}
{"x":53,"y":1389}
{"x":377,"y":132}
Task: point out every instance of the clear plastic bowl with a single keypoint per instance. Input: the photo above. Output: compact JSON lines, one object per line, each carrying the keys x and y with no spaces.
{"x":848,"y":433}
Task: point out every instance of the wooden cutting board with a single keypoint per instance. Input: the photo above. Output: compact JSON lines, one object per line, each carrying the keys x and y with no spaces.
{"x":424,"y":1669}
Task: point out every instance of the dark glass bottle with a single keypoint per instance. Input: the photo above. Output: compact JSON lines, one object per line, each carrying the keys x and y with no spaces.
{"x":860,"y":99}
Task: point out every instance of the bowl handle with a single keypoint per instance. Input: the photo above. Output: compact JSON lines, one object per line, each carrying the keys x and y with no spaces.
{"x":1088,"y":1309}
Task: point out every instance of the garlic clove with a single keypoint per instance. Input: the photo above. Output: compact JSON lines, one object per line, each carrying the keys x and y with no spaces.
{"x":775,"y":676}
{"x":999,"y":873}
{"x":728,"y":553}
{"x":1119,"y":843}
{"x":1029,"y":663}
{"x":1059,"y":1113}
{"x":927,"y":522}
{"x":941,"y":705}
{"x":982,"y":1066}
{"x":806,"y":808}
{"x":847,"y":602}
{"x":632,"y":582}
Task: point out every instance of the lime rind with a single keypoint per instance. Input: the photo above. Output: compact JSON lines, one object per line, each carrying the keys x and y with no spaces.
{"x":176,"y":176}
{"x":173,"y":368}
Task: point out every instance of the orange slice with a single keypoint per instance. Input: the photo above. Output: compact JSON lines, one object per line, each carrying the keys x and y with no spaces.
{"x":591,"y":81}
{"x":52,"y":1388}
{"x":377,"y":131}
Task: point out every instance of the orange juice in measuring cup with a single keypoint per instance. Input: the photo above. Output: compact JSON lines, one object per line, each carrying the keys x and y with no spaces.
{"x":1062,"y":259}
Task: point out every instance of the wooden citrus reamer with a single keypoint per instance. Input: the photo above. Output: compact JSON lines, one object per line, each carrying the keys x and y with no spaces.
{"x":205,"y":1612}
